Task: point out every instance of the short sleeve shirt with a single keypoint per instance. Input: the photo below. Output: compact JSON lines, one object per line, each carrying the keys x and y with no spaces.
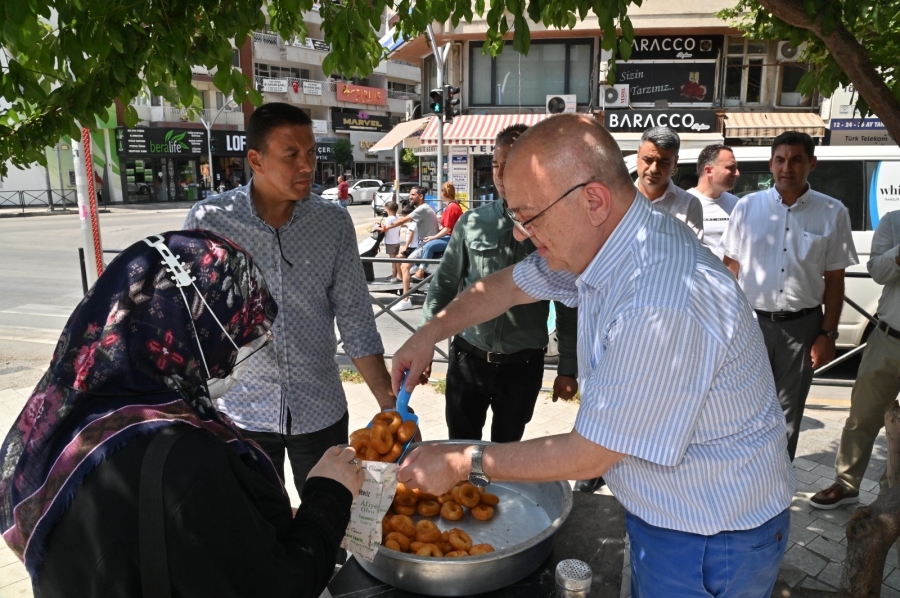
{"x":716,"y":214}
{"x":681,"y":204}
{"x":450,"y":215}
{"x":784,"y":251}
{"x":426,"y":221}
{"x":673,"y":373}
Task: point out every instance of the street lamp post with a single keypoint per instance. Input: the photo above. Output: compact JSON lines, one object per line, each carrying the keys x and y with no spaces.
{"x":209,"y":126}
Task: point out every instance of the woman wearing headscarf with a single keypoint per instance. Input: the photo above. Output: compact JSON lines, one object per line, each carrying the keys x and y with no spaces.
{"x":162,"y":327}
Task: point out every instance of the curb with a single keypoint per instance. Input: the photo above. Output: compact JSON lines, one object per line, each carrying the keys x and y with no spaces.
{"x":48,"y":213}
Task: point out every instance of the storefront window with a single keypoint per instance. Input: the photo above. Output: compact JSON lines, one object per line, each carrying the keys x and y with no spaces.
{"x":142,"y":180}
{"x":744,"y":72}
{"x":517,"y":80}
{"x":789,"y":76}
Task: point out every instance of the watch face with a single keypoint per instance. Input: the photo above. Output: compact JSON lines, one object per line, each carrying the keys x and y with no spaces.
{"x":478,"y":480}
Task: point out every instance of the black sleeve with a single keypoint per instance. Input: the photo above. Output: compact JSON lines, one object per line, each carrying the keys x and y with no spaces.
{"x":229,"y":531}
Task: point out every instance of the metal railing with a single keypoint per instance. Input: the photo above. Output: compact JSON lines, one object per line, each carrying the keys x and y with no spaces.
{"x":263,"y":37}
{"x":52,"y":199}
{"x":403,"y":95}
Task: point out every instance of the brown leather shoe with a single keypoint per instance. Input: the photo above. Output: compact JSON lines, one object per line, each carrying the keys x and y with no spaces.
{"x":833,"y":497}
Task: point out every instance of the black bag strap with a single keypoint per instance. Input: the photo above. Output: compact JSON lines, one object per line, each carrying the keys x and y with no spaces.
{"x":151,"y":516}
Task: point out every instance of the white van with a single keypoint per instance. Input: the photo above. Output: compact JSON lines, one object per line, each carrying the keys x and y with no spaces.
{"x":865,"y":178}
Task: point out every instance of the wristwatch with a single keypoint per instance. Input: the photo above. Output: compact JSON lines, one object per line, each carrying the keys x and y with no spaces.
{"x":832,"y":334}
{"x":477,"y":476}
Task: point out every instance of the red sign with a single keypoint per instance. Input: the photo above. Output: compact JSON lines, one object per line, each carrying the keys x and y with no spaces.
{"x":295,"y":85}
{"x":362,"y":95}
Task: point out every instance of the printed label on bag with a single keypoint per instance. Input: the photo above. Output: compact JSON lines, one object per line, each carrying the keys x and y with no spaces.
{"x":363,"y":535}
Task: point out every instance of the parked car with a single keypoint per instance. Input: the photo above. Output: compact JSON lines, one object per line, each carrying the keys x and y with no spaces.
{"x":360,"y":190}
{"x":318,"y":189}
{"x":385,"y":193}
{"x":862,"y":177}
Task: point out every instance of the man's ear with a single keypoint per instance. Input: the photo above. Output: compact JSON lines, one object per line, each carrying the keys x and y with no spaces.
{"x":599,"y":202}
{"x":255,"y":159}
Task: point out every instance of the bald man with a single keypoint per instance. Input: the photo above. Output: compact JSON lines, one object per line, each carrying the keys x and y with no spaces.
{"x":678,"y":410}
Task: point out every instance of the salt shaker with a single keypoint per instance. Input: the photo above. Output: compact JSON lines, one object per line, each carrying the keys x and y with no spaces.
{"x":573,"y":579}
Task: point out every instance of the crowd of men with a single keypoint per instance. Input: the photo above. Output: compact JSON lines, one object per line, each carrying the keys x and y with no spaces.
{"x":679,"y":393}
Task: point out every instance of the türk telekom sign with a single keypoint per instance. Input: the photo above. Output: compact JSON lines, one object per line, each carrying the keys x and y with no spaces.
{"x":683,"y":121}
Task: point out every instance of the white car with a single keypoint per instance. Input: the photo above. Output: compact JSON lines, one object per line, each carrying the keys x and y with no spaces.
{"x":864,"y":178}
{"x":385,"y":193}
{"x":360,"y":190}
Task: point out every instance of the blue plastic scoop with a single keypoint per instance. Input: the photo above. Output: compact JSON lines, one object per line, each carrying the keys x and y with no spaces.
{"x":403,"y":410}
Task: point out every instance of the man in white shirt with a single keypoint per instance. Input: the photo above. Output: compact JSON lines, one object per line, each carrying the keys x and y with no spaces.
{"x":656,"y":160}
{"x":426,"y":225}
{"x":717,"y":172}
{"x":877,"y":384}
{"x":788,"y":247}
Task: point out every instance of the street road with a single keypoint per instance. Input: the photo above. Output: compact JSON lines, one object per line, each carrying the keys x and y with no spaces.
{"x":42,"y":280}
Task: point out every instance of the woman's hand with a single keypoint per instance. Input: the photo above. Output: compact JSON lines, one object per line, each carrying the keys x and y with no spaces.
{"x":337,"y":465}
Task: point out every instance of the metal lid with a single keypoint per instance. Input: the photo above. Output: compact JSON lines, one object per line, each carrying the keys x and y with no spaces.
{"x":573,"y":574}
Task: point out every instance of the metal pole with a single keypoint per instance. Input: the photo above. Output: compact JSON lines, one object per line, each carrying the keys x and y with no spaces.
{"x":209,"y":125}
{"x":439,"y":57}
{"x":397,"y":172}
{"x":62,"y":189}
{"x":49,"y":187}
{"x":90,"y":226}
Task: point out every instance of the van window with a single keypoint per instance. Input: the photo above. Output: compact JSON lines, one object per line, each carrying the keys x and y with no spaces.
{"x":843,"y":180}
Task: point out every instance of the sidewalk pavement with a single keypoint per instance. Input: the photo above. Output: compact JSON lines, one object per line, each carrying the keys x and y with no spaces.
{"x":812,"y":563}
{"x":43,"y":210}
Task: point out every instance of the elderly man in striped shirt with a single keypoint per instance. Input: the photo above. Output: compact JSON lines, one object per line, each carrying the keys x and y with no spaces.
{"x":678,"y":407}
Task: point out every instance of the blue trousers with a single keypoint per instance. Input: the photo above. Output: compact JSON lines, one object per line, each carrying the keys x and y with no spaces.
{"x":738,"y":564}
{"x":432,"y":247}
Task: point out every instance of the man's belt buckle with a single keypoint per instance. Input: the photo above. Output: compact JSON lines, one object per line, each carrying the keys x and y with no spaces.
{"x":494,"y":357}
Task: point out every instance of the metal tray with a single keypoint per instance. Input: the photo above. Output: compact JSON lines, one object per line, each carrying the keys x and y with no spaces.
{"x":521,"y":532}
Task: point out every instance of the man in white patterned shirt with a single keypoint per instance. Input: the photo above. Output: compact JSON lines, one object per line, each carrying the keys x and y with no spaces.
{"x":788,"y":247}
{"x":291,"y":399}
{"x":656,"y":161}
{"x":717,"y":172}
{"x":678,"y":409}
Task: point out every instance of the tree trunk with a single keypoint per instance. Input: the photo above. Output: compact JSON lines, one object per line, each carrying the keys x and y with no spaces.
{"x":873,"y":529}
{"x":850,"y":56}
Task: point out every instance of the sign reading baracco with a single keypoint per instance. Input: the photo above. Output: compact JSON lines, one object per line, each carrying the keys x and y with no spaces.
{"x":361,"y":95}
{"x":683,"y":121}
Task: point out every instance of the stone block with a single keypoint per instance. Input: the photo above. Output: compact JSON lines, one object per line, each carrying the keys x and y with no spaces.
{"x":805,"y":560}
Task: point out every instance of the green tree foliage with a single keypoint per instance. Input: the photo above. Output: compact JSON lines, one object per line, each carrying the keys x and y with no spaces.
{"x":65,"y":61}
{"x":342,"y":152}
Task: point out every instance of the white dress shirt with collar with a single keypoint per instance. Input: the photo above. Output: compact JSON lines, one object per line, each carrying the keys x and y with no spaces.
{"x":681,"y":204}
{"x":784,"y":251}
{"x":884,"y":269}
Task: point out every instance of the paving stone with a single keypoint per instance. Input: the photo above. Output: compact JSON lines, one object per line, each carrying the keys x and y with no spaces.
{"x":833,"y":551}
{"x":827,"y":529}
{"x":831,"y":574}
{"x":889,"y":592}
{"x":809,"y":477}
{"x":893,"y":579}
{"x":868,"y":485}
{"x":801,"y":504}
{"x":811,"y":583}
{"x":867,"y":498}
{"x":804,"y":464}
{"x":801,"y":535}
{"x":802,"y":518}
{"x":839,"y":516}
{"x":824,"y":471}
{"x":789,"y":574}
{"x":805,"y":560}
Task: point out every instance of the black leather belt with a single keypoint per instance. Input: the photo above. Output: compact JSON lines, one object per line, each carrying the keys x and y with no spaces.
{"x":518,"y":357}
{"x":784,"y":316}
{"x":888,"y":330}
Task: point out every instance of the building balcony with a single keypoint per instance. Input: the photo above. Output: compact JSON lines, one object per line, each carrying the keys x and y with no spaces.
{"x":158,"y":115}
{"x":399,"y":70}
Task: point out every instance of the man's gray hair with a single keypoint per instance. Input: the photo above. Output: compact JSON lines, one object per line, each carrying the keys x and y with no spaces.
{"x":665,"y":138}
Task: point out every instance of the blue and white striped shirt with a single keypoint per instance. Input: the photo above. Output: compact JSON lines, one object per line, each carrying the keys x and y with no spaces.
{"x":674,"y":374}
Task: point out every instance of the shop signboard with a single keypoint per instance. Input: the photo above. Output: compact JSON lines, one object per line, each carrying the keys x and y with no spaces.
{"x":683,"y":121}
{"x":320,"y":127}
{"x":884,"y":193}
{"x":459,"y":168}
{"x":160,"y":141}
{"x":228,"y":143}
{"x":676,"y":47}
{"x":325,"y":151}
{"x":312,"y":88}
{"x":274,"y":85}
{"x":358,"y":94}
{"x":847,"y":125}
{"x":359,"y":120}
{"x":675,"y":82}
{"x":362,"y":142}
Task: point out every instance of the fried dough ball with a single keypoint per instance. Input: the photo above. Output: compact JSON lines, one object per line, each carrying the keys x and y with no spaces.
{"x":386,"y":525}
{"x":393,"y":454}
{"x":491,"y":500}
{"x":427,"y":532}
{"x":405,"y":497}
{"x":469,"y":496}
{"x":428,"y":508}
{"x":406,"y":431}
{"x":455,"y":494}
{"x":451,"y":511}
{"x":460,"y":540}
{"x":393,"y":545}
{"x":361,"y":445}
{"x":445,"y":498}
{"x":429,"y":550}
{"x":391,"y":419}
{"x":400,"y":539}
{"x":381,"y":438}
{"x":480,"y":549}
{"x":415,"y":546}
{"x":404,"y":525}
{"x":456,"y":554}
{"x":425,"y":495}
{"x":445,"y":547}
{"x":408,"y":511}
{"x":482,"y":512}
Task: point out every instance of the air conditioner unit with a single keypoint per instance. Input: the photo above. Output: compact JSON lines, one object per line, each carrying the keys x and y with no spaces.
{"x":615,"y":96}
{"x":790,"y":53}
{"x":559,"y":104}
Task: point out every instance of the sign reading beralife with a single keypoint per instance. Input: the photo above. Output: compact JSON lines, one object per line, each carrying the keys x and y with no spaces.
{"x":353,"y":120}
{"x":676,"y":47}
{"x":683,"y":121}
{"x":160,"y":141}
{"x":675,"y":82}
{"x":358,"y":94}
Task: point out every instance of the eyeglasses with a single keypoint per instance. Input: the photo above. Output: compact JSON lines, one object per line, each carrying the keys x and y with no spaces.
{"x":522,"y":226}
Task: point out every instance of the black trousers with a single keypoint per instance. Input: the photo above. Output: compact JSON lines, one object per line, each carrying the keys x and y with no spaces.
{"x":510,"y":390}
{"x":304,"y":450}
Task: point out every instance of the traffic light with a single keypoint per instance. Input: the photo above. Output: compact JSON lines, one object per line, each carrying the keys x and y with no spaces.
{"x":437,"y":101}
{"x":451,"y":101}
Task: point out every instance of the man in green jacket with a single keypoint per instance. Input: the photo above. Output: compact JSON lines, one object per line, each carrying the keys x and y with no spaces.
{"x":500,"y":363}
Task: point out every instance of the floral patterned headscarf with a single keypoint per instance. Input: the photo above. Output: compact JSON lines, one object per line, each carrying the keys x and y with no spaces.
{"x":129,"y":362}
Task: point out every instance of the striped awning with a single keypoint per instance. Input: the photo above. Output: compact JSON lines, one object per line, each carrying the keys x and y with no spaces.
{"x":477,"y":129}
{"x":772,"y":124}
{"x":400,"y":132}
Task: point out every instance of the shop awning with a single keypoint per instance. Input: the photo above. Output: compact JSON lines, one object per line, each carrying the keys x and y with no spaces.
{"x":632,"y":141}
{"x":477,"y":129}
{"x":772,"y":124}
{"x":400,"y":132}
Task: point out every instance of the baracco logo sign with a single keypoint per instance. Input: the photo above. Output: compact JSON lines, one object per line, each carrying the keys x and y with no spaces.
{"x":173,"y":144}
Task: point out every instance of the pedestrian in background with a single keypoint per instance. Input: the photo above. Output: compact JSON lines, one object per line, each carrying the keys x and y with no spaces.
{"x":291,"y":398}
{"x":657,"y":158}
{"x":437,"y":243}
{"x":343,"y":192}
{"x":717,"y":172}
{"x":788,"y":246}
{"x":878,"y":379}
{"x":499,"y":364}
{"x":391,"y":240}
{"x":426,"y":225}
